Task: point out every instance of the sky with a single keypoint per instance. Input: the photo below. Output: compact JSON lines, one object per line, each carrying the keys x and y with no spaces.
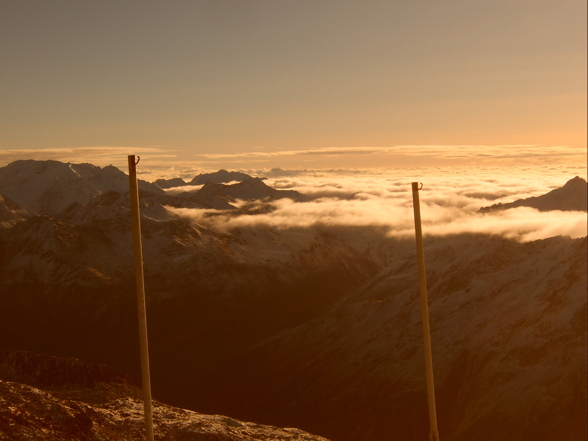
{"x":245,"y":84}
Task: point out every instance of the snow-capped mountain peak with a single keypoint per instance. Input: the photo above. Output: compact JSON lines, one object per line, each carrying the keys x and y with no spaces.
{"x":47,"y":187}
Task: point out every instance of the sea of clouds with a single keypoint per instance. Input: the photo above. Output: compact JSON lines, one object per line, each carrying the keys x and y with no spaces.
{"x":450,"y":200}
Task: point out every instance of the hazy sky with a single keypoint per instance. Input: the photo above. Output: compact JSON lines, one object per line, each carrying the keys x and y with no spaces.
{"x":274,"y":83}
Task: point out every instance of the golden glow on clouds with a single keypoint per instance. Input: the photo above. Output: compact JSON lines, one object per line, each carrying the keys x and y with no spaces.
{"x":458,"y":181}
{"x":454,"y":153}
{"x":166,"y":161}
{"x":450,"y":200}
{"x":100,"y":156}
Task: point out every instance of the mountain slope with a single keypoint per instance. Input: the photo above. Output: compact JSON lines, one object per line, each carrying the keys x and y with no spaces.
{"x":508,"y":324}
{"x":73,"y":283}
{"x":315,"y":327}
{"x":48,"y":187}
{"x":10,"y":212}
{"x":573,"y":196}
{"x":59,"y":399}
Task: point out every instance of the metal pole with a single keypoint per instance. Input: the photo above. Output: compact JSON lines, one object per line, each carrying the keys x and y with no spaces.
{"x":142,"y":312}
{"x":434,"y":434}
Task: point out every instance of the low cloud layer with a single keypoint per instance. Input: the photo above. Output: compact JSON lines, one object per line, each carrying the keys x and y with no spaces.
{"x":449,"y":204}
{"x":407,"y":155}
{"x":167,"y":162}
{"x":451,"y":196}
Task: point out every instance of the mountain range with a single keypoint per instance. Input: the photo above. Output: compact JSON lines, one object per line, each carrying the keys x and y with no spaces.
{"x":316,"y":328}
{"x":48,"y":187}
{"x":219,"y":177}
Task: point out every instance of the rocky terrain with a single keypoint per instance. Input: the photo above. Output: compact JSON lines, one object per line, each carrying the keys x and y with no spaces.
{"x":58,"y":399}
{"x":508,"y":325}
{"x":11,"y":213}
{"x":310,"y":327}
{"x":48,"y":187}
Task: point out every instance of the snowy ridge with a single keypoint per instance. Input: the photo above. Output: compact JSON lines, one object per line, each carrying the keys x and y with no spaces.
{"x":48,"y":187}
{"x":573,"y":196}
{"x":64,"y":190}
{"x":508,"y":324}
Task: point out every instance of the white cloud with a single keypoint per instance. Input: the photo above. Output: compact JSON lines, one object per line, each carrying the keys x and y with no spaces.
{"x":409,"y":155}
{"x":450,"y":198}
{"x":164,"y":162}
{"x":521,"y":223}
{"x":449,"y":204}
{"x":183,"y":189}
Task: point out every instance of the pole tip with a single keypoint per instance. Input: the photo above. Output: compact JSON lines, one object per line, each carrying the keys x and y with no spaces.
{"x":131,"y":159}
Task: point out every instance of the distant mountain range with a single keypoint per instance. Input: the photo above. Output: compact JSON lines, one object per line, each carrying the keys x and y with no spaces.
{"x":56,"y":189}
{"x":317,"y":328}
{"x":573,"y":196}
{"x":219,"y":177}
{"x":48,"y":187}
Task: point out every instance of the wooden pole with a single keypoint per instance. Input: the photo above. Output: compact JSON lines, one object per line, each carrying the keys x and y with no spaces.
{"x":434,"y":434}
{"x":142,"y":311}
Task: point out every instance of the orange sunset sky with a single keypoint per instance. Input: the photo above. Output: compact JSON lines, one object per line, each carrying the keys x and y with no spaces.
{"x":322,"y":83}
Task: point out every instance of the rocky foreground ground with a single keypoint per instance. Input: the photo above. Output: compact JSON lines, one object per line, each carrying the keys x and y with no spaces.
{"x":57,"y":399}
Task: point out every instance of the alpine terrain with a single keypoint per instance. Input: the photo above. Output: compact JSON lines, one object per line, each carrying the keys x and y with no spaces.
{"x":315,"y":327}
{"x":59,"y":399}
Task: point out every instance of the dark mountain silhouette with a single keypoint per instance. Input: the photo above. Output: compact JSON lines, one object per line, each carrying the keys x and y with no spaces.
{"x":219,"y":177}
{"x":49,"y":372}
{"x":573,"y":196}
{"x":170,"y":183}
{"x":252,"y":189}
